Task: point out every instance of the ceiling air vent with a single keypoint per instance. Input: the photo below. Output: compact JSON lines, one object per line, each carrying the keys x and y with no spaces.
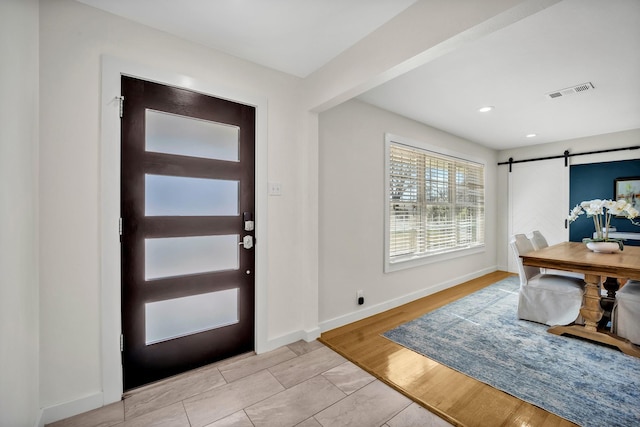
{"x":571,"y":90}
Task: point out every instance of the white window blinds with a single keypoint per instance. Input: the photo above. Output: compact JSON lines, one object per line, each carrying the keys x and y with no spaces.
{"x":436,"y":203}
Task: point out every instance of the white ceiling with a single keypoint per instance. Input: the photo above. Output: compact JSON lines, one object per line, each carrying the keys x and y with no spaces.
{"x":294,"y":36}
{"x":567,"y":44}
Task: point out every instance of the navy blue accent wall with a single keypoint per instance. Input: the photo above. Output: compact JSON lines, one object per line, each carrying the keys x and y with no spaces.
{"x":595,"y":181}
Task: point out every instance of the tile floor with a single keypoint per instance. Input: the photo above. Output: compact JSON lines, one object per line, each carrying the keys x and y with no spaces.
{"x":302,"y":384}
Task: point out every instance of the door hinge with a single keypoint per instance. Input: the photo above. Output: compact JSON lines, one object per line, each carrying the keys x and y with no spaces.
{"x":120,"y":105}
{"x":121,"y":343}
{"x":120,"y":226}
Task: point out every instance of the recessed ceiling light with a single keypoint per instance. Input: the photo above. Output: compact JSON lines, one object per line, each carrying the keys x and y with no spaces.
{"x":486,"y":109}
{"x":531,"y":135}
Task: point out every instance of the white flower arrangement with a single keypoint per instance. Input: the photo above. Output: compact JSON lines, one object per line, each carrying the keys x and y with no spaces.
{"x":601,"y":212}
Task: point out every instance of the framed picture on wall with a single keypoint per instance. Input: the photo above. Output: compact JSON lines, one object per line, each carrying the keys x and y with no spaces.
{"x":627,"y":189}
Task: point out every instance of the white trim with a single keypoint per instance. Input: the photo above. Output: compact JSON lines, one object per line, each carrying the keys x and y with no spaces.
{"x":403,"y":264}
{"x":311,"y":334}
{"x":346,"y":319}
{"x":68,"y":409}
{"x":282,"y":340}
{"x":112,"y":69}
{"x":436,"y":149}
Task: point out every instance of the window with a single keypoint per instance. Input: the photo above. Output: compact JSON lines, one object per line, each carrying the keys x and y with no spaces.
{"x":434,"y":204}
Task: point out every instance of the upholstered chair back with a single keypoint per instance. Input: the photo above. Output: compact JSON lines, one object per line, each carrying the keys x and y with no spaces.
{"x":521,"y":245}
{"x":538,"y":240}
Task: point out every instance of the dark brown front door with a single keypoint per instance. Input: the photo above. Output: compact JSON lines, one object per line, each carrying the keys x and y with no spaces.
{"x":187,"y":206}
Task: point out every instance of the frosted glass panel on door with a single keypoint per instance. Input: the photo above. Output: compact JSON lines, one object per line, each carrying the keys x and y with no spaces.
{"x":186,"y":136}
{"x":183,"y":196}
{"x":177,"y":256}
{"x":179,"y":317}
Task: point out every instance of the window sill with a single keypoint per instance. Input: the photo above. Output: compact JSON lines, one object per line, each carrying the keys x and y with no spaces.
{"x":416,"y":261}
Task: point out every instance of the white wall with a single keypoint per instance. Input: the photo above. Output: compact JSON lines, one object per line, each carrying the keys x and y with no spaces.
{"x":623,"y":139}
{"x":72,"y":39}
{"x":352,"y":215}
{"x":18,"y":212}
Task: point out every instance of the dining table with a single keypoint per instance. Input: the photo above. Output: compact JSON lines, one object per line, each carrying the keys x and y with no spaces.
{"x":596,"y":267}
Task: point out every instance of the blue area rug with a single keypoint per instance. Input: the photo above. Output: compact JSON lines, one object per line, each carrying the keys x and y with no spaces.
{"x":481,"y":336}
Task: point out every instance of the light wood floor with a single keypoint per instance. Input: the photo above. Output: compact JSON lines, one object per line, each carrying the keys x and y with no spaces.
{"x":459,"y":399}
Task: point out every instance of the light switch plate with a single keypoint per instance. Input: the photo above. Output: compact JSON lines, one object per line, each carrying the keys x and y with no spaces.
{"x":275,"y":189}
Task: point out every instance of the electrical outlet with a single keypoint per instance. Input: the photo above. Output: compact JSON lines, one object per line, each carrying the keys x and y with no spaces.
{"x":360,"y":297}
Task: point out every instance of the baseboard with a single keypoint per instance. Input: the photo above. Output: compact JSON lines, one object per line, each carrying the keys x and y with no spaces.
{"x":282,"y":340}
{"x":336,"y":322}
{"x":312,"y":334}
{"x":69,"y":409}
{"x":506,"y":268}
{"x":39,"y":420}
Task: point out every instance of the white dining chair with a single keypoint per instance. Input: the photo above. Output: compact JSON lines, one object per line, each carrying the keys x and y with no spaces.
{"x":625,"y":316}
{"x":551,"y":299}
{"x":539,"y":242}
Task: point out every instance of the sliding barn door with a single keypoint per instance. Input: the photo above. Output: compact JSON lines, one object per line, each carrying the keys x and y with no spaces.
{"x":539,"y":200}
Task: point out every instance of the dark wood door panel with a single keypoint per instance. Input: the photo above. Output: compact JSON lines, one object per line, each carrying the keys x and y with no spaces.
{"x":144,"y":363}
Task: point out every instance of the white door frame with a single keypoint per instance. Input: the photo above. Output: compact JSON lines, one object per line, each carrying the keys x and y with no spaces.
{"x":112,"y":69}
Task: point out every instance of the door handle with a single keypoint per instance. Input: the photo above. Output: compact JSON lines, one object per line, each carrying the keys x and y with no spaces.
{"x":247,"y":242}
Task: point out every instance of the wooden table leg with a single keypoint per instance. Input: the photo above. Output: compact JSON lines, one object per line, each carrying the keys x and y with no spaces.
{"x":592,"y":312}
{"x":611,"y":284}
